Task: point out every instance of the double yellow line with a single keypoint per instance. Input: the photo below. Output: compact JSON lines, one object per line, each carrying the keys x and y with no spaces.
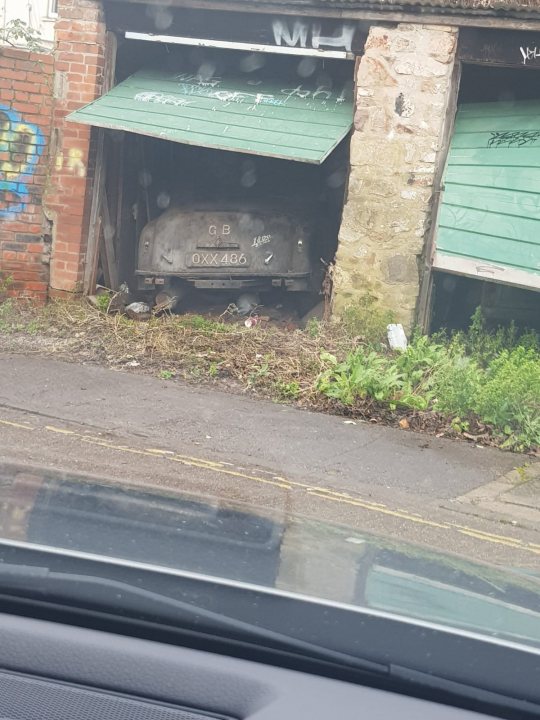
{"x":286,"y":484}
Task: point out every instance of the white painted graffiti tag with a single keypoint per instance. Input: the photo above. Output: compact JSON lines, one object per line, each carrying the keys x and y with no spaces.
{"x":303,"y":93}
{"x":291,"y":38}
{"x":161,"y":99}
{"x":343,"y":40}
{"x":528,"y":54}
{"x":228,"y":96}
{"x":300,"y":32}
{"x":260,"y":240}
{"x":199,"y":80}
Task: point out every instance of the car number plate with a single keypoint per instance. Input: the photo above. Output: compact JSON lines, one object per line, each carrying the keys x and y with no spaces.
{"x":223,"y":258}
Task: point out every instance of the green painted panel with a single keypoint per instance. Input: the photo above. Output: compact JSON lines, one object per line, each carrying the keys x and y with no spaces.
{"x":514,"y":179}
{"x":244,"y":114}
{"x":521,"y":107}
{"x":504,"y":122}
{"x":490,"y":207}
{"x":490,"y":248}
{"x":496,"y":157}
{"x":509,"y":202}
{"x":481,"y":140}
{"x":507,"y":227}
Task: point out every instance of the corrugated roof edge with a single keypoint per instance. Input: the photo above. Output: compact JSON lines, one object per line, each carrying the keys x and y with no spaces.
{"x":498,"y":8}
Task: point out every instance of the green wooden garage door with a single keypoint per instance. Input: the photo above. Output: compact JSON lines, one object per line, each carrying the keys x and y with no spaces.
{"x":489,"y":218}
{"x":245,"y":114}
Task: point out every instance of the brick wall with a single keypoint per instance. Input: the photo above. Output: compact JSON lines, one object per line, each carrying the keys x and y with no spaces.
{"x":26,"y":81}
{"x":79,"y":64}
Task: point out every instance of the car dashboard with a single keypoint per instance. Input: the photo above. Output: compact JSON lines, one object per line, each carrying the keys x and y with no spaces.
{"x":52,"y":671}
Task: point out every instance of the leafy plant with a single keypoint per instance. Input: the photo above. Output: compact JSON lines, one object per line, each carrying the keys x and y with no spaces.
{"x":510,"y":396}
{"x":6,"y":281}
{"x":313,"y":327}
{"x":485,"y":345}
{"x":363,"y":374}
{"x":259,"y":371}
{"x":287,"y":390}
{"x":502,"y":392}
{"x":103,"y":302}
{"x":367,"y":319}
{"x":17,"y":32}
{"x":166,"y":374}
{"x":198,"y":322}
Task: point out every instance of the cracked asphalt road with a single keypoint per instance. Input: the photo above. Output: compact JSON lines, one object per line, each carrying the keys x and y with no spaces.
{"x":139,"y":430}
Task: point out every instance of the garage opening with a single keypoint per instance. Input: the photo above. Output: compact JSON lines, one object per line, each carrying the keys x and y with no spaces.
{"x":488,"y":234}
{"x":225,"y":173}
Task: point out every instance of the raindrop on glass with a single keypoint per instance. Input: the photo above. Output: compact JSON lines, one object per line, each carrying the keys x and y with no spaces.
{"x":306,"y":67}
{"x":337,"y":178}
{"x":248,"y":179}
{"x":163,"y":19}
{"x":145,"y":178}
{"x":163,"y":200}
{"x":252,"y":62}
{"x":108,"y":231}
{"x":206,"y":71}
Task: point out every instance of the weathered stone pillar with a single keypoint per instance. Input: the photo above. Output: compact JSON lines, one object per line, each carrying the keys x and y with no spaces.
{"x":403,"y":90}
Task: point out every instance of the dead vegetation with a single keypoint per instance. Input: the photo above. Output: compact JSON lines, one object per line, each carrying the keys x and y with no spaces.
{"x":278,"y":363}
{"x":300,"y":366}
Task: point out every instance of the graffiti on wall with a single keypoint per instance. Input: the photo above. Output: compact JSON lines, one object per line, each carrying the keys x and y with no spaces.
{"x":309,"y":34}
{"x":513,"y":138}
{"x":72,"y":161}
{"x":529,"y":54}
{"x":21,"y":146}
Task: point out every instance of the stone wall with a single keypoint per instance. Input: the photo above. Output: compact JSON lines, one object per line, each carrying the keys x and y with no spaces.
{"x":79,"y":61}
{"x":403,"y":91}
{"x":26,"y":81}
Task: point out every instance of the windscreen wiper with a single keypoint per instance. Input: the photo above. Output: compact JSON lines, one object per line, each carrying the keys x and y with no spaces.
{"x":105,"y":594}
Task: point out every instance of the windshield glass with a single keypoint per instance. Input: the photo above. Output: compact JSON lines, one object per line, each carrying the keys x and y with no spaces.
{"x":269,"y":308}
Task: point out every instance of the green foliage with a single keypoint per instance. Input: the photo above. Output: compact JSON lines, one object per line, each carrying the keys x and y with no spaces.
{"x":476,"y":383}
{"x":205,"y":325}
{"x":484,"y":346}
{"x":313,"y":327}
{"x":33,"y":327}
{"x":259,"y":371}
{"x":502,"y":392}
{"x":364,"y":373}
{"x":103,"y":302}
{"x":456,"y":384}
{"x":509,"y":397}
{"x":166,"y":374}
{"x":17,"y":32}
{"x":367,"y":319}
{"x":287,"y":390}
{"x":6,"y":281}
{"x":6,"y":313}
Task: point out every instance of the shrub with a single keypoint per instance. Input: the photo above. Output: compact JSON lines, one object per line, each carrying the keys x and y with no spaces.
{"x":509,"y":397}
{"x":503,"y":393}
{"x":364,"y":373}
{"x":367,"y":319}
{"x":484,"y":345}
